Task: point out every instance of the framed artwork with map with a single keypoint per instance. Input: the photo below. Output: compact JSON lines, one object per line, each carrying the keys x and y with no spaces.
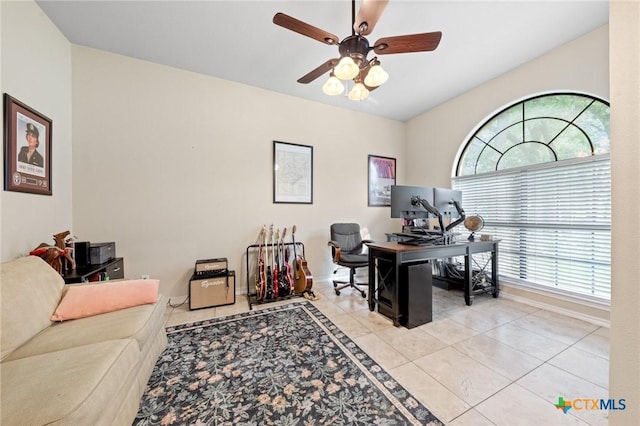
{"x":292,"y":173}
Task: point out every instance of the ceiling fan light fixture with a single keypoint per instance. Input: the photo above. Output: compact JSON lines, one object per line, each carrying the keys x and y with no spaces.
{"x":333,"y":86}
{"x":376,"y":76}
{"x":346,"y":69}
{"x":359,"y":92}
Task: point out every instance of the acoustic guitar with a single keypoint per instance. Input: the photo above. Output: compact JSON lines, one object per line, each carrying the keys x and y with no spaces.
{"x":303,"y":280}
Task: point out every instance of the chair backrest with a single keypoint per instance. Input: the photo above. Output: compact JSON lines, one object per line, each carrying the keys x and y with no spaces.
{"x":348,"y":237}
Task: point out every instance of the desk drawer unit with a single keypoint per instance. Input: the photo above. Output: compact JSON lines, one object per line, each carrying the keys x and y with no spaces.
{"x":115,"y":270}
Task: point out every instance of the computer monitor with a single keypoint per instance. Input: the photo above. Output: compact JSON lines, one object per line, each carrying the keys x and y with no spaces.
{"x":443,"y":201}
{"x":401,"y":201}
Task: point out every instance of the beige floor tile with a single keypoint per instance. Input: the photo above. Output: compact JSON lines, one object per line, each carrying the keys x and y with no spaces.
{"x":586,"y":365}
{"x":412,"y":343}
{"x":374,"y":321}
{"x":469,"y":380}
{"x":475,"y":319}
{"x":471,"y":418}
{"x":515,"y":405}
{"x":439,"y":400}
{"x":550,"y":383}
{"x":328,"y":308}
{"x":524,"y":308}
{"x":527,"y":341}
{"x":350,"y":326}
{"x":596,"y":343}
{"x":569,"y":331}
{"x":181,"y":316}
{"x":383,"y":353}
{"x":501,"y":358}
{"x":448,"y":331}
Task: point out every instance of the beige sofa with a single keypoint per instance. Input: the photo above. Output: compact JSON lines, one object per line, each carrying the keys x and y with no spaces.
{"x":89,"y":371}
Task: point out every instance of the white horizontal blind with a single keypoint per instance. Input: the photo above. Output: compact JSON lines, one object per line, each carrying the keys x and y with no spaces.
{"x":554,"y":220}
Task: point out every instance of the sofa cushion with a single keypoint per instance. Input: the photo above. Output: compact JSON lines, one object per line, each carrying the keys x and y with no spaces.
{"x":140,"y":323}
{"x":70,"y":385}
{"x":30,"y":290}
{"x":82,"y":301}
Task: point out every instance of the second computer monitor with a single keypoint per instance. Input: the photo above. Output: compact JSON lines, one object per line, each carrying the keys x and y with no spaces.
{"x":443,"y":201}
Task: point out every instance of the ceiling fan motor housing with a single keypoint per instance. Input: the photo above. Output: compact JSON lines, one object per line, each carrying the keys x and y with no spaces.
{"x":357,"y":47}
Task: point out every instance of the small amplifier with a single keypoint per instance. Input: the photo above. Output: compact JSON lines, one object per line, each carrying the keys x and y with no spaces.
{"x":210,"y":292}
{"x":211,"y":267}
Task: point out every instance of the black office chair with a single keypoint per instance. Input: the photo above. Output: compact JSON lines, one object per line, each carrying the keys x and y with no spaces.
{"x":346,"y":248}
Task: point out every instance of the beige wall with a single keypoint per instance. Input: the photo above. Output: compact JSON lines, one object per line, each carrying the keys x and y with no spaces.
{"x":624,"y":370}
{"x":175,"y":166}
{"x":36,"y":70}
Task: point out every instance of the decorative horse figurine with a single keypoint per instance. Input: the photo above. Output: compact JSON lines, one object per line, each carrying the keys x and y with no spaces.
{"x":53,"y":254}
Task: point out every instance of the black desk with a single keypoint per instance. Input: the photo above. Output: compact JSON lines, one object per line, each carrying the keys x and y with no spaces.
{"x":391,"y":280}
{"x":110,"y":270}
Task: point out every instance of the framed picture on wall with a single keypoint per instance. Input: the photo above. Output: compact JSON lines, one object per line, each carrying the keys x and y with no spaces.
{"x":382,"y":174}
{"x":292,"y":173}
{"x":27,"y":148}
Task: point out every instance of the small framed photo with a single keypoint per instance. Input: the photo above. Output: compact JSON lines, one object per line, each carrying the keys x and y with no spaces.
{"x":382,"y":174}
{"x":27,"y":148}
{"x":292,"y":173}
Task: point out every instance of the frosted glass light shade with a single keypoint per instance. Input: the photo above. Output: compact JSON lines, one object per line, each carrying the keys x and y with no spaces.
{"x":359,"y":92}
{"x":346,"y":69}
{"x":376,"y":76}
{"x":333,"y":86}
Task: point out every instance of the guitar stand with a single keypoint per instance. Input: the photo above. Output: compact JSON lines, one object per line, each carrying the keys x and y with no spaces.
{"x":252,"y":295}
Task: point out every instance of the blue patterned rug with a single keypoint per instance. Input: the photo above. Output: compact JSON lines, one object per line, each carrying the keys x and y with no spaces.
{"x":283,"y":365}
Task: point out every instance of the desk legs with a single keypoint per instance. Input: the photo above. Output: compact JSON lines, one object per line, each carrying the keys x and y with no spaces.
{"x":468,"y":274}
{"x":384,"y":279}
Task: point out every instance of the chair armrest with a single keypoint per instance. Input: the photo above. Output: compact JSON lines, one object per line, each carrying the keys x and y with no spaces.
{"x":367,"y":241}
{"x":335,"y":250}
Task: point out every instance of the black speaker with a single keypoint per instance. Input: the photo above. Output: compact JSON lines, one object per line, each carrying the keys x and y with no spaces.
{"x":82,"y":253}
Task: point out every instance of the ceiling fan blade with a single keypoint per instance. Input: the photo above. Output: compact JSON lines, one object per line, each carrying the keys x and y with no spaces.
{"x":322,"y":69}
{"x":368,"y":15}
{"x":305,"y":29}
{"x":408,"y":43}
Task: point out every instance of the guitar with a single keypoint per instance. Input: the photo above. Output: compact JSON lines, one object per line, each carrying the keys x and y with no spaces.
{"x":303,"y":281}
{"x":261,"y":277}
{"x":284,"y":279}
{"x":269,"y":287}
{"x":276,"y":264}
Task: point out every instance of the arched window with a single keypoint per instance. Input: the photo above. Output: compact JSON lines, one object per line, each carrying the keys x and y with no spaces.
{"x":538,"y":172}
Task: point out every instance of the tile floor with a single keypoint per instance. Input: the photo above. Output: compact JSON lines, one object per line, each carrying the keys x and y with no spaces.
{"x":497,"y":362}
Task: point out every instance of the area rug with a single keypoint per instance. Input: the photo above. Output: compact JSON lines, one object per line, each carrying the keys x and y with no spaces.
{"x":283,"y":365}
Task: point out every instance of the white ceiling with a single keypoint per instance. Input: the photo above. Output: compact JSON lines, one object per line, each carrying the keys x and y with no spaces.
{"x":237,"y":41}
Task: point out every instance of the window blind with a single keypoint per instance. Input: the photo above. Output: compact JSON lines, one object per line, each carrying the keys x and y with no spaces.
{"x":554,"y":220}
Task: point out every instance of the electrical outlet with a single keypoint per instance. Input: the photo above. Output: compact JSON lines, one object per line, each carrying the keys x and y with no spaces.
{"x":145,"y":276}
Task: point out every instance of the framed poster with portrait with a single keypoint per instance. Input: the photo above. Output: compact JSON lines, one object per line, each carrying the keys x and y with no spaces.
{"x":292,"y":173}
{"x":382,"y":174}
{"x":27,"y":148}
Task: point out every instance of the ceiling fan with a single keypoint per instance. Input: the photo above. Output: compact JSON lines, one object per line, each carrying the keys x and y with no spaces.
{"x":367,"y":74}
